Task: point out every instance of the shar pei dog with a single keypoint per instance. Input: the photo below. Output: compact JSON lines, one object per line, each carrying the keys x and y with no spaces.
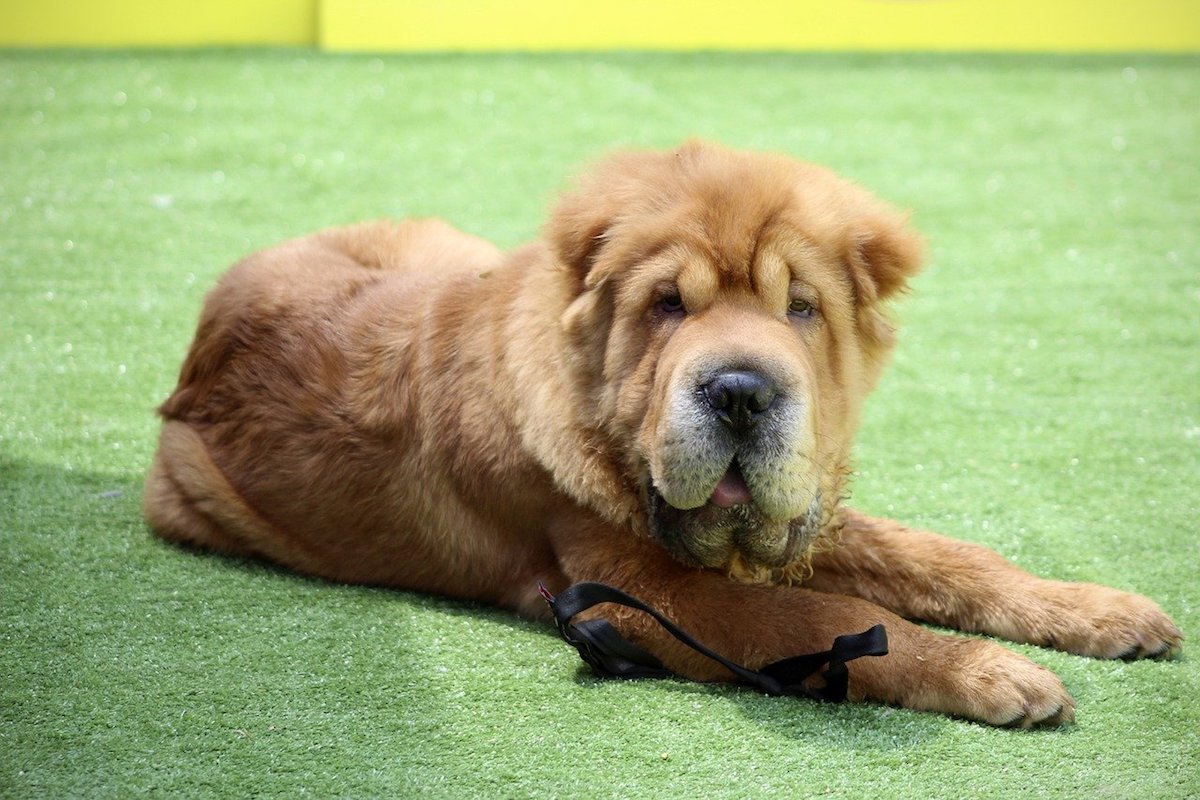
{"x":659,"y":394}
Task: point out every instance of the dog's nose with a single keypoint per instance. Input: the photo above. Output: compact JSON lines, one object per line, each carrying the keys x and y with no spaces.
{"x":739,"y":398}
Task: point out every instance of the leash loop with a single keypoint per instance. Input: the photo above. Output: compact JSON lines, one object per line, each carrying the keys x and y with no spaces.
{"x":611,"y":655}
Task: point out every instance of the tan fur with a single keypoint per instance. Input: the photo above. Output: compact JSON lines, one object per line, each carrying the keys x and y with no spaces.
{"x":401,"y":404}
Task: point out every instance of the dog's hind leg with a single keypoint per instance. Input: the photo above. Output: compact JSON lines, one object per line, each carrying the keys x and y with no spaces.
{"x":174,"y":517}
{"x":188,"y":500}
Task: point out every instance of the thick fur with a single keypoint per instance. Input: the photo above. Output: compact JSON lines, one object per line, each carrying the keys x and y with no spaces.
{"x":401,"y":404}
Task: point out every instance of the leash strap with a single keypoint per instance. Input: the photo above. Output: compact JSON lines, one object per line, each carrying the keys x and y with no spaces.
{"x":611,"y":655}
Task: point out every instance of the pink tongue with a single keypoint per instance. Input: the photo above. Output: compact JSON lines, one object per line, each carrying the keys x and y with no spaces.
{"x":731,"y":489}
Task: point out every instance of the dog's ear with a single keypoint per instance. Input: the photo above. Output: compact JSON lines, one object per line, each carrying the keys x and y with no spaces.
{"x":616,"y":189}
{"x":882,"y":253}
{"x":577,"y":227}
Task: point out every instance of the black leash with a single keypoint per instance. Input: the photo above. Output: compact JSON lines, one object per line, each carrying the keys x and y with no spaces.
{"x":611,"y":655}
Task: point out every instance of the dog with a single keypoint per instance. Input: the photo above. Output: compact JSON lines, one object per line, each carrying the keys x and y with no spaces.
{"x":659,"y":394}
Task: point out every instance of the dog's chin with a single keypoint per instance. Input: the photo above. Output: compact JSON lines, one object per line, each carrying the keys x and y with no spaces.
{"x":738,"y":538}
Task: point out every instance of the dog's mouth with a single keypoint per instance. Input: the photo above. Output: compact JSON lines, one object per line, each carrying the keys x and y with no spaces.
{"x":730,"y":528}
{"x":731,"y":490}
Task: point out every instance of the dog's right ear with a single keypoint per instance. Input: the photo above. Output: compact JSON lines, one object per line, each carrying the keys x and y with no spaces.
{"x":577,"y":228}
{"x":614,"y":190}
{"x":576,"y":231}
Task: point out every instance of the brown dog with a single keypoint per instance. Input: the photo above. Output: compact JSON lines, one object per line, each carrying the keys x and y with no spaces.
{"x":660,"y":395}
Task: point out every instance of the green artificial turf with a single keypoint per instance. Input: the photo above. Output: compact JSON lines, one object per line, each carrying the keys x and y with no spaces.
{"x":1045,"y":401}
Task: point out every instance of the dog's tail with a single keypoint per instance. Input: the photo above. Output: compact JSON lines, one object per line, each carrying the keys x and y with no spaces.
{"x":415,"y":246}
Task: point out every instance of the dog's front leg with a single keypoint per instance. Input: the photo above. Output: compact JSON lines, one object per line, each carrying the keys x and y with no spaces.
{"x":758,"y":624}
{"x":921,"y":575}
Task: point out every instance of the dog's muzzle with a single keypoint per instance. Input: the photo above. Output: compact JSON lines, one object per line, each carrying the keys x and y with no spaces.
{"x":712,"y":536}
{"x":732,"y":471}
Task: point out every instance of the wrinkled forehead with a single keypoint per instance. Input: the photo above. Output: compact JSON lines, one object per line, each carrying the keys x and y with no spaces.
{"x":703,"y":274}
{"x":756,"y":239}
{"x":760,"y":254}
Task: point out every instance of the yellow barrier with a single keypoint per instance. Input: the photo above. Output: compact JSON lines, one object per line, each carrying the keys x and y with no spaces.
{"x":558,"y":25}
{"x":547,"y":25}
{"x":157,"y":23}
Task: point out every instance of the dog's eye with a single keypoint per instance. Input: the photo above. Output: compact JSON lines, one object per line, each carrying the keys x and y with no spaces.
{"x":670,"y":304}
{"x":800,"y":307}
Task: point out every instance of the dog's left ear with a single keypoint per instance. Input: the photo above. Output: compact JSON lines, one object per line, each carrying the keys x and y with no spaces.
{"x":882,"y":253}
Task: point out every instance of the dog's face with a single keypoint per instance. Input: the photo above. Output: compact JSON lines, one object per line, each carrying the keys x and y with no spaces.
{"x":727,"y":326}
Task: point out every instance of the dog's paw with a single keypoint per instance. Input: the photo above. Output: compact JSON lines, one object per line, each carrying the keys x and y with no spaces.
{"x":969,"y":678}
{"x":1101,"y":622}
{"x":995,"y":685}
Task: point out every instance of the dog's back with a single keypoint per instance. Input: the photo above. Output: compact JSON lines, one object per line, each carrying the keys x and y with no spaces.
{"x":276,"y":389}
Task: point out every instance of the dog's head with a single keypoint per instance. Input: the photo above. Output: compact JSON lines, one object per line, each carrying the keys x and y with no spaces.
{"x":728,"y":324}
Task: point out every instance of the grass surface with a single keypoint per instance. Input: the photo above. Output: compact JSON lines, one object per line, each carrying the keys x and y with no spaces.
{"x":1045,"y":401}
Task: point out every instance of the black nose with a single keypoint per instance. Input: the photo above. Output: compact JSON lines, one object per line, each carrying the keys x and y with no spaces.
{"x":740,"y":398}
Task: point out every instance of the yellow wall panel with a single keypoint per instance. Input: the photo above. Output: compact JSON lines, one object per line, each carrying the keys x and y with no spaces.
{"x":549,"y":25}
{"x":541,"y":25}
{"x":157,"y":23}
